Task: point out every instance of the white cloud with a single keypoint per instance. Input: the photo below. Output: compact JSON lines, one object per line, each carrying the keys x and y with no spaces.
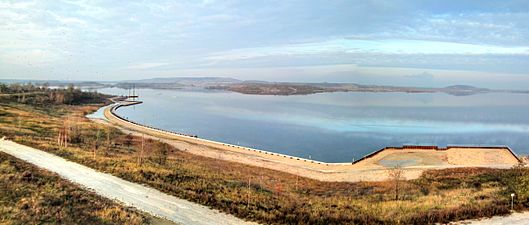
{"x":164,"y":35}
{"x":355,"y":46}
{"x":16,"y":5}
{"x":65,"y":20}
{"x":144,"y":66}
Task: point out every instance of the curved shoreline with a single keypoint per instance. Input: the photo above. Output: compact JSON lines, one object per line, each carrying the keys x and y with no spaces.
{"x":367,"y":168}
{"x":195,"y":138}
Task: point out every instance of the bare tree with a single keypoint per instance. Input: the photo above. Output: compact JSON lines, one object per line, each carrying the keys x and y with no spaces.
{"x":96,"y":142}
{"x":140,"y":152}
{"x":108,"y":140}
{"x":128,"y":141}
{"x":64,"y":134}
{"x":396,"y":174}
{"x":23,"y":98}
{"x":248,"y":197}
{"x":297,"y":179}
{"x":161,"y":153}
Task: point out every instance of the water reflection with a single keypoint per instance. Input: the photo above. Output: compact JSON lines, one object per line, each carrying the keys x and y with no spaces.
{"x":336,"y":127}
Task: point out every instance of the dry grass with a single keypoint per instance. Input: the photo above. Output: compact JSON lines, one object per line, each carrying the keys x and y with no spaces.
{"x":34,"y":196}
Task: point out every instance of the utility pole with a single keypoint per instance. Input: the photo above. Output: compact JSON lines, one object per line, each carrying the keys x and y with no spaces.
{"x":134,"y":91}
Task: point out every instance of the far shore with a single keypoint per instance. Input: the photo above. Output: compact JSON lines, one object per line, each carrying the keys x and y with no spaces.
{"x":373,"y":167}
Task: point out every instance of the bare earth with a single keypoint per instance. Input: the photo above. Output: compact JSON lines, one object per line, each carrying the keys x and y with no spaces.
{"x":375,"y":168}
{"x":143,"y":198}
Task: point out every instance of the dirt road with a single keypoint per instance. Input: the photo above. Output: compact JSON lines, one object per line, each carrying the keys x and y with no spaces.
{"x":131,"y":194}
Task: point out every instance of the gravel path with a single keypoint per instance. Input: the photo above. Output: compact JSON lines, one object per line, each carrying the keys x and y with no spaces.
{"x":131,"y":194}
{"x":513,"y":219}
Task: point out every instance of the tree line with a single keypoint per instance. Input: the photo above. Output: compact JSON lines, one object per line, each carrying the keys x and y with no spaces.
{"x":44,"y":95}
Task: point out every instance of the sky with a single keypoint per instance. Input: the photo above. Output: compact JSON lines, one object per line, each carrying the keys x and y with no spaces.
{"x":395,"y":42}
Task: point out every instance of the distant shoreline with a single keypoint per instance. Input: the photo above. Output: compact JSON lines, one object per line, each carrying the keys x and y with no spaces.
{"x":256,"y":87}
{"x":110,"y":114}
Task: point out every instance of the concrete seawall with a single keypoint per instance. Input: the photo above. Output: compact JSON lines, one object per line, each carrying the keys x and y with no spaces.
{"x":372,"y":167}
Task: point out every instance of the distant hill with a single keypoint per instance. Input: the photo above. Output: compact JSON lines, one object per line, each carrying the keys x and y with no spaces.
{"x":285,"y":88}
{"x":178,"y":82}
{"x":162,"y":83}
{"x":186,"y":80}
{"x":462,"y":90}
{"x":462,"y":87}
{"x":257,"y":87}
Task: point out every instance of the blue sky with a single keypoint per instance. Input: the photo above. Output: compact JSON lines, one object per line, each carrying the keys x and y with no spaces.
{"x":394,"y":42}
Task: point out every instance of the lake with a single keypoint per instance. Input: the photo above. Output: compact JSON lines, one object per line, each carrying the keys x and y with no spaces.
{"x":336,"y":127}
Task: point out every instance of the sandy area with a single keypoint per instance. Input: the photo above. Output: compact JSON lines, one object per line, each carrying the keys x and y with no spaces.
{"x":375,"y":168}
{"x":131,"y":194}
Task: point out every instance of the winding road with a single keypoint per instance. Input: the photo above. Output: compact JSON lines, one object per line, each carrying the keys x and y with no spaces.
{"x":131,"y":194}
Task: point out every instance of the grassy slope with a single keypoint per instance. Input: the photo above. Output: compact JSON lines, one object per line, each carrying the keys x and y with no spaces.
{"x":34,"y":196}
{"x":275,"y":197}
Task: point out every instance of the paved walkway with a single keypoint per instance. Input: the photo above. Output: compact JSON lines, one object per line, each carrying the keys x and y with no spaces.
{"x":131,"y":194}
{"x":513,"y":219}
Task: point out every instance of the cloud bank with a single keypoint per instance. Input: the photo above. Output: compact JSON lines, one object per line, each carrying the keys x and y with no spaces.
{"x":127,"y":40}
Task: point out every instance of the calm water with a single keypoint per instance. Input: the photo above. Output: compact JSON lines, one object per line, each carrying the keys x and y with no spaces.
{"x":335,"y":127}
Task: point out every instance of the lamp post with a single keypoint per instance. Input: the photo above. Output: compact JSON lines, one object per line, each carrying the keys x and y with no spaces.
{"x":512,"y":201}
